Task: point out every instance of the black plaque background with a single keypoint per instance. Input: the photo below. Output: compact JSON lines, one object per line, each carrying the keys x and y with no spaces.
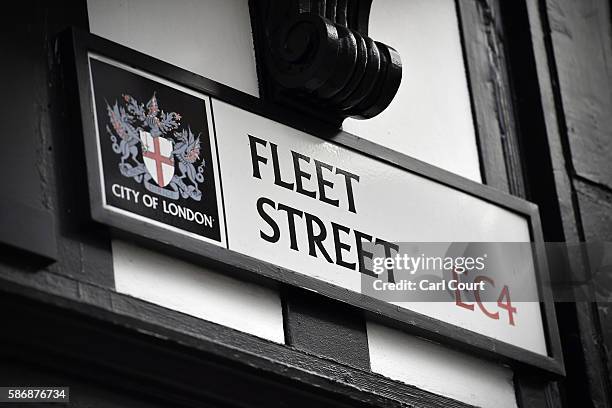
{"x":109,"y":84}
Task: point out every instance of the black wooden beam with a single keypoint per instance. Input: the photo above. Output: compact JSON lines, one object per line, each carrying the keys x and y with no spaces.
{"x":325,"y":328}
{"x":491,"y":95}
{"x":147,"y":350}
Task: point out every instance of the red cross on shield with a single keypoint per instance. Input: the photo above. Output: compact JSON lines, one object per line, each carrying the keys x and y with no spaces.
{"x":157,"y":155}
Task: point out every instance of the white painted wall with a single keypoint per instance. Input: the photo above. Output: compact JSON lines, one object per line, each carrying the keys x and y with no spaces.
{"x":430,"y":117}
{"x":197,"y":291}
{"x":437,"y":369}
{"x":209,"y":37}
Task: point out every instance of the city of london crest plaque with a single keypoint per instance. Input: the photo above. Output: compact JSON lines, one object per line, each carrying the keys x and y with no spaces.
{"x":157,"y":151}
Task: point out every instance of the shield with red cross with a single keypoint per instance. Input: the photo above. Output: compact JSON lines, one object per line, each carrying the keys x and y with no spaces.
{"x":157,"y":155}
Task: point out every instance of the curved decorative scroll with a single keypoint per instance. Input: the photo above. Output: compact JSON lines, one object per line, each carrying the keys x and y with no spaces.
{"x":315,"y":55}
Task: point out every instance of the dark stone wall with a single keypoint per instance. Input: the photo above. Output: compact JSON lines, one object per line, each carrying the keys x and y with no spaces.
{"x":43,"y":199}
{"x":581,"y":34}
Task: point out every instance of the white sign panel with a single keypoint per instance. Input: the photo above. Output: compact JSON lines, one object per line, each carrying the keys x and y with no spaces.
{"x":291,"y":199}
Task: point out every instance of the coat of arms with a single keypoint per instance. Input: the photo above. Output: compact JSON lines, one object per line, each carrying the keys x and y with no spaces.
{"x":171,"y":165}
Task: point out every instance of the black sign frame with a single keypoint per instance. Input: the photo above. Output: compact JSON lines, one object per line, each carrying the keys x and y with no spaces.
{"x":81,"y":44}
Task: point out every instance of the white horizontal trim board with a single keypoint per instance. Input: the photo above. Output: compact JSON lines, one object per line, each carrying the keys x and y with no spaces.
{"x":197,"y":291}
{"x":437,"y":369}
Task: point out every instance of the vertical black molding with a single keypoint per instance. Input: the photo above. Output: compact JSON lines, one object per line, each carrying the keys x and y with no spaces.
{"x":325,"y":328}
{"x":82,"y":239}
{"x":533,"y":392}
{"x":536,"y":155}
{"x":491,"y":95}
{"x":541,"y":181}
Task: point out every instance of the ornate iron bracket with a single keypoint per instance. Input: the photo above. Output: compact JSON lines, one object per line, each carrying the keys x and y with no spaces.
{"x":316,"y":56}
